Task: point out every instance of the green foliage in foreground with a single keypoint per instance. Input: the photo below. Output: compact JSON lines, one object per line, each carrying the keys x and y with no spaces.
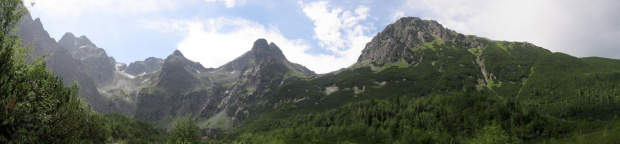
{"x":35,"y":106}
{"x":460,"y":117}
{"x":185,"y":131}
{"x":129,"y":130}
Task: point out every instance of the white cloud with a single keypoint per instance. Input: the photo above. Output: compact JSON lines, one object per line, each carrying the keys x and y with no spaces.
{"x":339,"y":31}
{"x":580,"y":28}
{"x":229,"y":3}
{"x":397,"y":15}
{"x":214,"y":42}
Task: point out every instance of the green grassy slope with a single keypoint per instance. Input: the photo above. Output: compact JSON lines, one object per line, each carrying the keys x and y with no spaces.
{"x":551,"y":93}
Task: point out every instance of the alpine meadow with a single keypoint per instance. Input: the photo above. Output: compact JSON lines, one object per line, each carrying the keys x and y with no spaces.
{"x":413,"y":80}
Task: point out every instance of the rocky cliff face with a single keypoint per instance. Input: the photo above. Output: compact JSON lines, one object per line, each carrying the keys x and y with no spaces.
{"x":256,"y":74}
{"x":179,"y":73}
{"x":96,"y":62}
{"x":219,"y":97}
{"x":398,"y":39}
{"x":60,"y":61}
{"x":149,"y":65}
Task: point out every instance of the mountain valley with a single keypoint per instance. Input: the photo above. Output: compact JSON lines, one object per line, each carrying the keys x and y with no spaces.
{"x":414,"y":82}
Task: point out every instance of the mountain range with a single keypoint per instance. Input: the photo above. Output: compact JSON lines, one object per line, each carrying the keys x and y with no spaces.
{"x":411,"y":58}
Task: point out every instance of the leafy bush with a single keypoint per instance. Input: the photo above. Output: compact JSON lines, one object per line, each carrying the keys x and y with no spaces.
{"x":35,"y":105}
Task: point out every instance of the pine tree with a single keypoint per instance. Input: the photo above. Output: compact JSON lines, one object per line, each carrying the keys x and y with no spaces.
{"x":185,"y":131}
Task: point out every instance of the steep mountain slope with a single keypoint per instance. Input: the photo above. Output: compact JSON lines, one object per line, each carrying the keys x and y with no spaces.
{"x":60,"y":61}
{"x":96,"y":62}
{"x":421,"y":60}
{"x":218,"y":98}
{"x":178,"y":73}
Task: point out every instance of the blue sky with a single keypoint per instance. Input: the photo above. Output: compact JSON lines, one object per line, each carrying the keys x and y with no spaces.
{"x":321,"y":35}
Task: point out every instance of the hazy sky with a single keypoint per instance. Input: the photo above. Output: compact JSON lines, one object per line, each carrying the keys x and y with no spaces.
{"x":321,"y":35}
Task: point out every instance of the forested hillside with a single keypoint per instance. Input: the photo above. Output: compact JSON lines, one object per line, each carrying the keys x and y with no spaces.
{"x":418,"y":78}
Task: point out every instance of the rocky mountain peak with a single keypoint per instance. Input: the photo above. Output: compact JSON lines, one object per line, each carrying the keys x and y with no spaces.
{"x":260,"y":43}
{"x":177,"y":72}
{"x":177,"y":53}
{"x":263,"y":51}
{"x":38,"y":24}
{"x":60,"y":62}
{"x":97,"y":64}
{"x":397,"y":40}
{"x":73,"y":44}
{"x":261,"y":46}
{"x":83,"y":40}
{"x":262,"y":54}
{"x":67,"y":37}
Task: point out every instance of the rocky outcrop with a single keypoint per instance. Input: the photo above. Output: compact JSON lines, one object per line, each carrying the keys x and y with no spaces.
{"x":120,"y":66}
{"x":179,"y":73}
{"x":398,"y":39}
{"x":60,"y":62}
{"x":97,"y":64}
{"x":149,"y":65}
{"x":263,"y":54}
{"x":73,"y":44}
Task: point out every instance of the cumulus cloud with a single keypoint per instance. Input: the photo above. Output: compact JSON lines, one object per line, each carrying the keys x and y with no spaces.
{"x":580,"y":28}
{"x":214,"y":42}
{"x":342,"y":32}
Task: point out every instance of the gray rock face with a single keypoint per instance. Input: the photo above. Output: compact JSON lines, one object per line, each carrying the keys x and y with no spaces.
{"x":72,"y":43}
{"x":228,"y":92}
{"x":178,"y":73}
{"x":120,"y":66}
{"x":60,"y":62}
{"x":97,"y":64}
{"x":396,"y":40}
{"x":149,"y":65}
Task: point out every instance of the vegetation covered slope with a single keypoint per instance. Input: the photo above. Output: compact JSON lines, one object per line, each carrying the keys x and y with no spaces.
{"x":441,"y":74}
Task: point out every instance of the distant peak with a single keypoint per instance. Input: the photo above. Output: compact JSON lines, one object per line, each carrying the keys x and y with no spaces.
{"x":260,"y":44}
{"x":83,"y":37}
{"x":69,"y":35}
{"x":152,"y":58}
{"x":38,"y":23}
{"x":177,"y":53}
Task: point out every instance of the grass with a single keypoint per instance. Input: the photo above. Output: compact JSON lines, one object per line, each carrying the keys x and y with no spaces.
{"x":399,"y":64}
{"x":502,"y":46}
{"x":475,"y":51}
{"x":432,"y":44}
{"x":492,"y":84}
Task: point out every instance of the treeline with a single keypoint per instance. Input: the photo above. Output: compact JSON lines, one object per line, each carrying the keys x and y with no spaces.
{"x":459,"y":117}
